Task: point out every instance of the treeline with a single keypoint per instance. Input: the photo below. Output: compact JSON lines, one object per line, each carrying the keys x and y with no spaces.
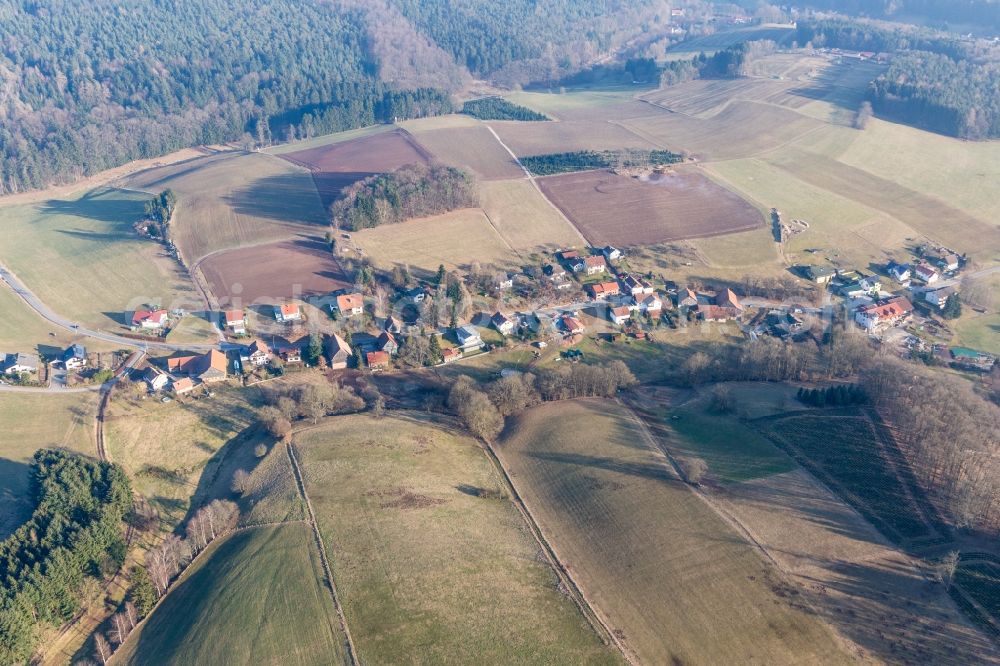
{"x":732,"y":62}
{"x":984,"y":13}
{"x":932,"y":91}
{"x":159,"y":211}
{"x":497,"y":108}
{"x":584,"y":160}
{"x":842,"y":395}
{"x":482,"y":408}
{"x":633,"y":70}
{"x":416,"y":190}
{"x":75,"y":533}
{"x":865,"y":36}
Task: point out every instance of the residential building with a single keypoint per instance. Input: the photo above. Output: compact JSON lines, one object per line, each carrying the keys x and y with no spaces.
{"x":209,"y":367}
{"x":899,"y":272}
{"x":392,"y":325}
{"x":387,"y":342}
{"x":350,"y":305}
{"x":619,"y":315}
{"x":883,"y":313}
{"x":236,"y":321}
{"x":19,"y":363}
{"x":819,"y":274}
{"x":288,"y":353}
{"x":182,"y":386}
{"x":377,"y":360}
{"x":468,"y":337}
{"x":636,"y":286}
{"x":649,"y":304}
{"x":339,"y":351}
{"x":594,"y":265}
{"x":949,"y":262}
{"x":568,"y":256}
{"x":502,"y":281}
{"x":74,"y":357}
{"x":502,"y":323}
{"x":450,"y":354}
{"x":925,"y":273}
{"x":571,"y":324}
{"x":611,"y":253}
{"x":415,"y":295}
{"x":560,"y":282}
{"x":258,"y":353}
{"x":938,"y":297}
{"x":601,"y":291}
{"x":149,"y":319}
{"x":727,"y":299}
{"x":686,"y":298}
{"x":155,"y":379}
{"x":288,"y":312}
{"x":718,"y":313}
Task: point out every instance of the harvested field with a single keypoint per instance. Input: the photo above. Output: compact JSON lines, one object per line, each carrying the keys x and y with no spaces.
{"x":618,"y":210}
{"x":262,"y":274}
{"x":432,"y":561}
{"x":670,"y":577}
{"x":454,"y":239}
{"x":472,"y":148}
{"x":524,"y":218}
{"x":337,"y":165}
{"x":233,"y":199}
{"x":571,"y":135}
{"x":705,"y":98}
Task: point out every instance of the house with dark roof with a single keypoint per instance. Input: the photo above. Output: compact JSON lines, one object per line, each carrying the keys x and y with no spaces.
{"x":686,"y":298}
{"x":502,"y":323}
{"x":18,"y":363}
{"x":468,"y":337}
{"x":387,"y":343}
{"x":819,"y":274}
{"x":74,"y":357}
{"x":899,"y":272}
{"x":155,"y":379}
{"x":339,"y":351}
{"x":257,"y":353}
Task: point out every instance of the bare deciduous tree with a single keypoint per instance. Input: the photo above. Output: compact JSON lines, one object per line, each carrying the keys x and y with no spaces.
{"x":102,"y":648}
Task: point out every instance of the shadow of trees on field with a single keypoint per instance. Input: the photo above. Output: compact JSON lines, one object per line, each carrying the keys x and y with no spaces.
{"x":15,"y":505}
{"x":120,"y":211}
{"x":287,"y":197}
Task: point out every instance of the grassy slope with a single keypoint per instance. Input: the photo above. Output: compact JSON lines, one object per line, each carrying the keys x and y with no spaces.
{"x":425,"y":567}
{"x":663,"y":568}
{"x":29,"y":422}
{"x":82,"y":258}
{"x":255,"y":598}
{"x":525,"y":218}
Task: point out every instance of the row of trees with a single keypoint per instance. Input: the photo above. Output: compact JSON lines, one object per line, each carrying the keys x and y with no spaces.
{"x":483,"y":408}
{"x":841,"y":395}
{"x":159,"y":210}
{"x":728,"y":63}
{"x":983,"y":13}
{"x":866,"y":36}
{"x":416,"y":190}
{"x":583,"y":160}
{"x":497,"y":108}
{"x":75,"y":533}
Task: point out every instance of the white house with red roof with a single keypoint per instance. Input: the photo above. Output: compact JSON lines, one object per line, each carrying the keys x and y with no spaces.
{"x":236,"y":321}
{"x":149,"y":319}
{"x":594,"y":265}
{"x":883,"y":313}
{"x":619,"y":315}
{"x":287,"y":312}
{"x":350,"y":305}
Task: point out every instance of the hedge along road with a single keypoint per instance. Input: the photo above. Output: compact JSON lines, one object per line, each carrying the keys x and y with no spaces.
{"x":47,"y":314}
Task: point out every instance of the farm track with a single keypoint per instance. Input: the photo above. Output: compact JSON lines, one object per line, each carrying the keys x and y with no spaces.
{"x":352,"y":651}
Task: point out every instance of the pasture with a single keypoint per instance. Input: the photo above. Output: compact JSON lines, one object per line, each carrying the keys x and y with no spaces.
{"x":474,"y":149}
{"x":255,"y":596}
{"x":981,"y":332}
{"x":570,"y":135}
{"x":83,"y":259}
{"x":429,"y":556}
{"x":524,"y":218}
{"x":668,"y":575}
{"x":266,"y":274}
{"x":21,"y":329}
{"x":32,"y":421}
{"x":334,"y":166}
{"x":454,"y":239}
{"x":619,"y":210}
{"x":234,"y":199}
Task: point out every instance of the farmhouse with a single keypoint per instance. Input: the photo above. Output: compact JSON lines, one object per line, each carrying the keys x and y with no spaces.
{"x":728,"y":299}
{"x":717,"y":313}
{"x":149,"y":319}
{"x":451,"y":354}
{"x":883,"y":314}
{"x":603,"y":290}
{"x":636,"y":285}
{"x":377,"y":360}
{"x":926,"y":273}
{"x":898,"y":272}
{"x":502,"y":323}
{"x":209,"y":367}
{"x":258,"y":353}
{"x":468,"y":337}
{"x":350,"y":305}
{"x":386,"y":342}
{"x":611,"y":253}
{"x":571,"y":324}
{"x":287,"y":313}
{"x":686,"y":298}
{"x":619,"y":315}
{"x":288,"y":353}
{"x":182,"y":386}
{"x":236,"y":321}
{"x":155,"y":379}
{"x":568,"y":256}
{"x":938,"y":297}
{"x":74,"y":357}
{"x":339,"y":351}
{"x":595,"y":265}
{"x":819,"y":274}
{"x":19,"y":363}
{"x":392,"y":325}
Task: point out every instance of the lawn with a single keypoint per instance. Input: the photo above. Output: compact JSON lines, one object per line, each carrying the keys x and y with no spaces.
{"x":980,"y":332}
{"x":256,"y":597}
{"x":82,"y":258}
{"x":670,"y":577}
{"x":524,"y":218}
{"x":193,"y":329}
{"x":432,"y":562}
{"x":29,"y":422}
{"x":231,"y":199}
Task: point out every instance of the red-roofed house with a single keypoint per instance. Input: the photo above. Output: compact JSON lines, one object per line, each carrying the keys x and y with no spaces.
{"x":603,"y":290}
{"x":287,"y":312}
{"x":571,"y":324}
{"x":182,"y":386}
{"x":883,"y":313}
{"x":236,"y":321}
{"x":350,"y":304}
{"x":595,"y":265}
{"x":728,"y":299}
{"x":377,"y":360}
{"x":451,"y":354}
{"x":717,"y":313}
{"x":619,"y":315}
{"x":649,"y":303}
{"x":152,"y":319}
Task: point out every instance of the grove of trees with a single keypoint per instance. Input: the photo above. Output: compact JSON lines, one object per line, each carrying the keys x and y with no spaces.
{"x":583,"y":160}
{"x":497,"y":108}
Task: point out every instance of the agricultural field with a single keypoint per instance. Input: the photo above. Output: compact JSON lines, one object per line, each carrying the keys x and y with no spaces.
{"x":577,"y":102}
{"x":678,"y":204}
{"x":334,"y":166}
{"x":474,"y":149}
{"x":524,"y":218}
{"x":234,"y":199}
{"x":256,"y":596}
{"x":429,"y":555}
{"x":327,"y":139}
{"x":32,"y":421}
{"x":670,"y":577}
{"x":782,"y":34}
{"x":21,"y":329}
{"x":83,"y":259}
{"x":454,"y":239}
{"x":570,"y":135}
{"x":265,"y":274}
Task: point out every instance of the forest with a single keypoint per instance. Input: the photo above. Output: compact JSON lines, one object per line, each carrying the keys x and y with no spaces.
{"x":984,"y":13}
{"x":585,"y":160}
{"x":416,"y":190}
{"x":497,"y":108}
{"x":74,"y":533}
{"x":89,"y":86}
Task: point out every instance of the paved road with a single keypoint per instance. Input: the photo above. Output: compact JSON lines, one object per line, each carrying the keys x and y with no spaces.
{"x":46,"y":313}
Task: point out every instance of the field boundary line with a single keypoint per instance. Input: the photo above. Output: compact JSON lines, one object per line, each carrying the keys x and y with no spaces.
{"x":352,"y":651}
{"x":588,"y":610}
{"x":531,"y":179}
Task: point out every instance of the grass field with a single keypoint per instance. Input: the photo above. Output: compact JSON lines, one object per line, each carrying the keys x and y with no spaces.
{"x":234,"y":199}
{"x":432,"y":562}
{"x":664,"y":570}
{"x":23,"y":330}
{"x":454,"y":239}
{"x":192,"y":329}
{"x":255,"y":597}
{"x":29,"y":422}
{"x":474,"y":149}
{"x":570,"y":135}
{"x":981,"y":332}
{"x":83,"y":259}
{"x":524,"y":218}
{"x":327,"y":139}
